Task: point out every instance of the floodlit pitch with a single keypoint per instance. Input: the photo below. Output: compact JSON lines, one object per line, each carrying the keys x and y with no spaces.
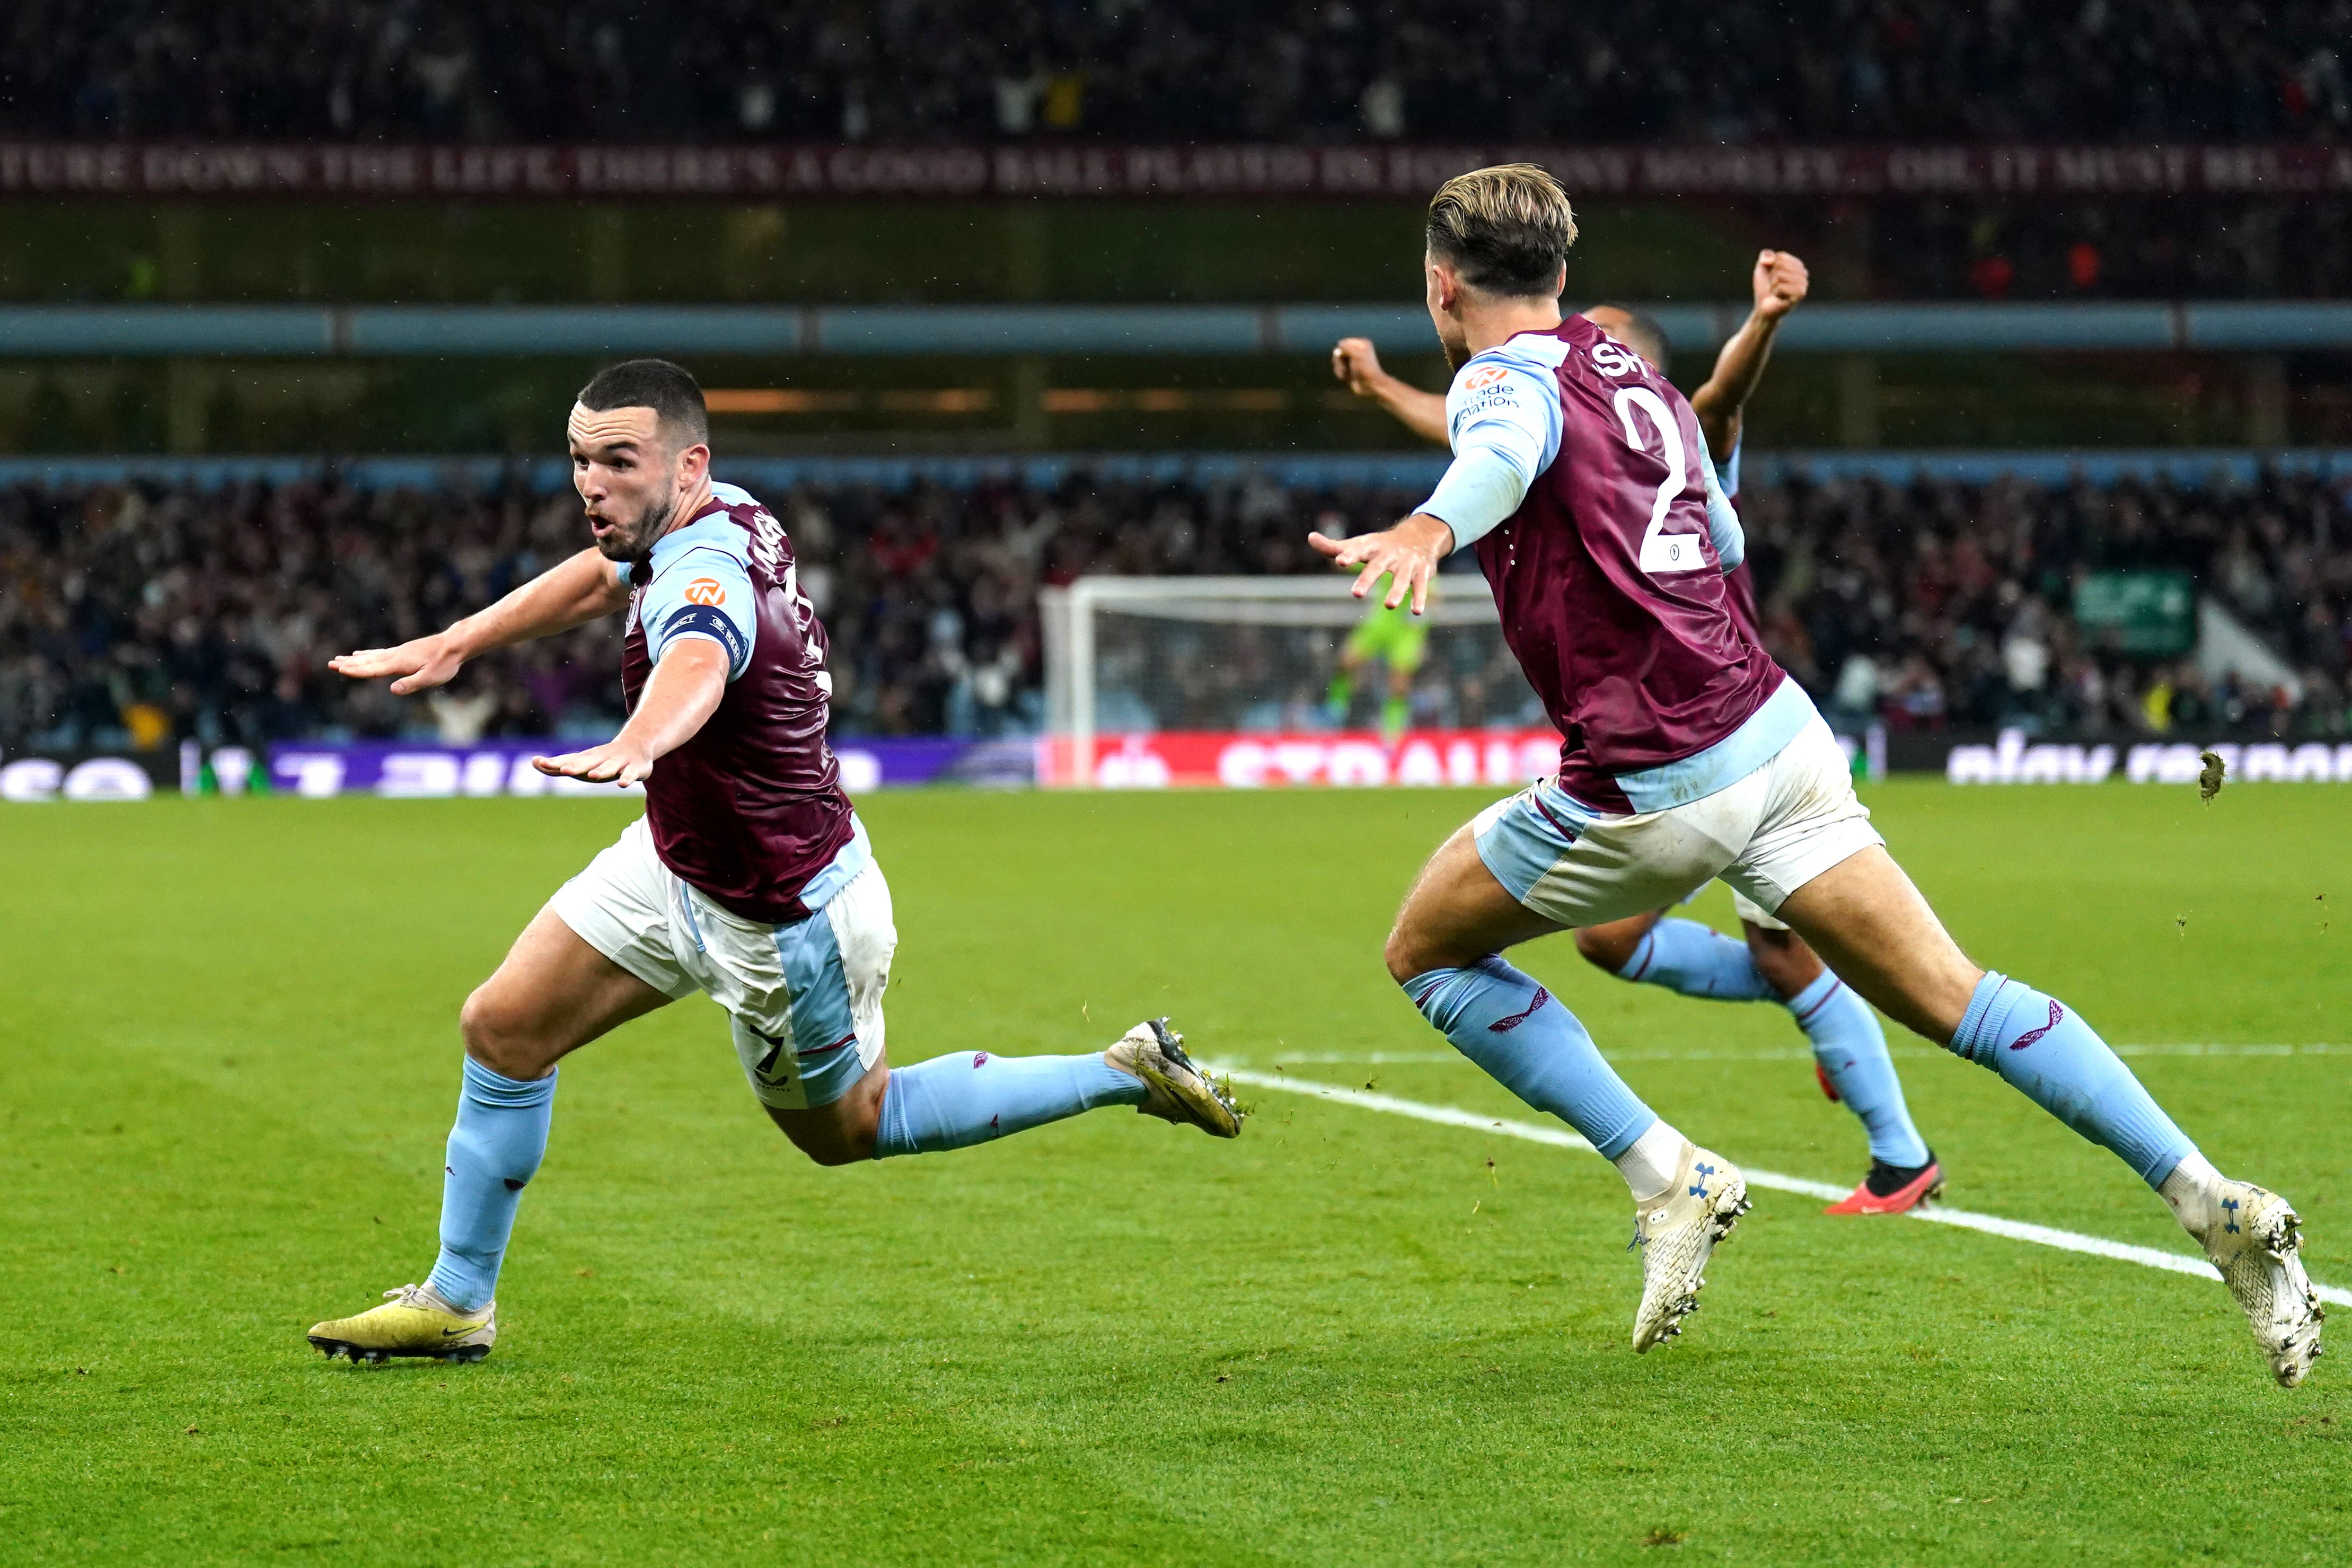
{"x":1355,"y":1339}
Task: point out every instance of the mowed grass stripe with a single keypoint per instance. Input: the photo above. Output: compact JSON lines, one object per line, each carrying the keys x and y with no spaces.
{"x":226,"y":1030}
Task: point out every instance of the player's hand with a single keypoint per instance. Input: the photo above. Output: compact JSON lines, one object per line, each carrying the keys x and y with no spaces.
{"x":1781,"y":283}
{"x":1355,"y":361}
{"x":1406,"y":554}
{"x":420,"y":663}
{"x":613,"y":762}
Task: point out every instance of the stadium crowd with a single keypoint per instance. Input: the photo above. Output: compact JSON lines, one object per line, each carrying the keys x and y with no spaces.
{"x":2229,"y":70}
{"x":132,"y":615}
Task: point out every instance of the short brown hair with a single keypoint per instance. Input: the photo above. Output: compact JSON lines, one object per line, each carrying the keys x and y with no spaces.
{"x":656,"y":384}
{"x":1505,"y":229}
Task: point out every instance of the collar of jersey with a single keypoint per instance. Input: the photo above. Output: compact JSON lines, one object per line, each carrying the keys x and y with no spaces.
{"x":708,"y":527}
{"x":1544,"y":353}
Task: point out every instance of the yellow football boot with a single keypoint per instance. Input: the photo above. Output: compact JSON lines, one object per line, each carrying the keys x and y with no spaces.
{"x":414,"y":1322}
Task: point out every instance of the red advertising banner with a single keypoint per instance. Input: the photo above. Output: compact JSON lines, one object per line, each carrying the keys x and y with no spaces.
{"x":779,"y":171}
{"x":1177,"y":759}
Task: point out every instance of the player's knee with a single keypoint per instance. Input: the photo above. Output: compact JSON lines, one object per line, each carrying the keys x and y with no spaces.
{"x":1604,"y":949}
{"x":1405,"y":955}
{"x":844,"y":1131}
{"x":846,"y":1137}
{"x":495,"y":1038}
{"x":1783,"y":959}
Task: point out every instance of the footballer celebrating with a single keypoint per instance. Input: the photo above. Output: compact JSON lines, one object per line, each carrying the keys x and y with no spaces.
{"x":1688,"y":755}
{"x":1656,"y":947}
{"x":750,"y":877}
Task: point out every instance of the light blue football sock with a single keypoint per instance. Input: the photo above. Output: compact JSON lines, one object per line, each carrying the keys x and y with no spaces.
{"x":1535,"y":1048}
{"x":1697,"y":960}
{"x":494,"y":1149}
{"x":2045,"y":1050}
{"x":1852,"y":1049}
{"x":951,"y":1102}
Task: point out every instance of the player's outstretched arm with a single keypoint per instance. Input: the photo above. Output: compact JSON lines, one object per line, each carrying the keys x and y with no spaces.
{"x":679,"y":698}
{"x":1407,"y":554}
{"x":1779,"y":283}
{"x":1357,"y":363}
{"x":564,"y":596}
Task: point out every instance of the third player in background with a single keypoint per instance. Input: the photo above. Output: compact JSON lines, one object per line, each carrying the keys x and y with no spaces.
{"x":1657,"y":948}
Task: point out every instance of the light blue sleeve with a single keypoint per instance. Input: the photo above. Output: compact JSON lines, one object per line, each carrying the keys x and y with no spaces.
{"x":1722,"y":522}
{"x":1505,"y":423}
{"x":704,"y":593}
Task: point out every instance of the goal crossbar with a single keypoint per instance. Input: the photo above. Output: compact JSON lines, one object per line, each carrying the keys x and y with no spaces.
{"x":1321,"y":600}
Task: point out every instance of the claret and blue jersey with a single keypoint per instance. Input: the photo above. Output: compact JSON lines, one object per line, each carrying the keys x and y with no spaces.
{"x":700,"y":584}
{"x":1581,"y":478}
{"x":751,"y":810}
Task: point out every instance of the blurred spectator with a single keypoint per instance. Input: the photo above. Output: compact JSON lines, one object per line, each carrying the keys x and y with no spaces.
{"x":1963,"y":593}
{"x":130,"y":615}
{"x":1644,"y":70}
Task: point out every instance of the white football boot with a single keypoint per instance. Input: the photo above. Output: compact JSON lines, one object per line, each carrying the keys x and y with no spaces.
{"x":2256,"y":1241}
{"x":1676,"y":1234}
{"x":1178,"y":1090}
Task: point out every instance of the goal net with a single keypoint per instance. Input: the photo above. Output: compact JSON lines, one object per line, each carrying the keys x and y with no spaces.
{"x":1231,"y":679}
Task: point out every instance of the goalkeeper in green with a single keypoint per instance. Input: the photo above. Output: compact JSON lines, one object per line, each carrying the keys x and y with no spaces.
{"x":1396,"y":637}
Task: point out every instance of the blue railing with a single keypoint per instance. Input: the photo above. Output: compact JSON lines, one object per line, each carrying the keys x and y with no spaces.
{"x":392,"y":331}
{"x":2187,"y":465}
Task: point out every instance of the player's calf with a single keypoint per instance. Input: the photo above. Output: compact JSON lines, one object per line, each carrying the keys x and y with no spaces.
{"x":1865,"y":911}
{"x":975,"y":1097}
{"x":1682,"y":955}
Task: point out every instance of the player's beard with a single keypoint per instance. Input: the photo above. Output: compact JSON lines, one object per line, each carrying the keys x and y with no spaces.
{"x":635,"y":542}
{"x":1456,"y":344}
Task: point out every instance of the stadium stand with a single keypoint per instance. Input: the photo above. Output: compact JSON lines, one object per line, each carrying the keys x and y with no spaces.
{"x":136,"y":614}
{"x":1311,"y":70}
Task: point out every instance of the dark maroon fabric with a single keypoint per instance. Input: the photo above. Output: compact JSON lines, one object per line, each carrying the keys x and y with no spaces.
{"x":752,"y":808}
{"x":1636,"y":670}
{"x":1740,"y":599}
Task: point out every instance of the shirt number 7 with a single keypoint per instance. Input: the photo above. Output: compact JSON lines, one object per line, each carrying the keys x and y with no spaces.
{"x":1661,"y":552}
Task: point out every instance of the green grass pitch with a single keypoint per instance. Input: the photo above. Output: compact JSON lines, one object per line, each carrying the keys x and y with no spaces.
{"x":228,"y":1050}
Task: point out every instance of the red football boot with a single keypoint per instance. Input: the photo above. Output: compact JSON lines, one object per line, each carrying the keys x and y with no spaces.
{"x":1892,"y":1189}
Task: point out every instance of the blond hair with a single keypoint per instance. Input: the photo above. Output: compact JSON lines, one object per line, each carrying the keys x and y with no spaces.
{"x":1506,"y":229}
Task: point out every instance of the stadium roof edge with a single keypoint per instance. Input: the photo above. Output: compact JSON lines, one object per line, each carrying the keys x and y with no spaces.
{"x":2193,"y":467}
{"x":81,"y":332}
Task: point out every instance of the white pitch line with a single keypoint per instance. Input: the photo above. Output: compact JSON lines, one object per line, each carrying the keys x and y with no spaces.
{"x":1934,"y":1213}
{"x":1779,"y":1054}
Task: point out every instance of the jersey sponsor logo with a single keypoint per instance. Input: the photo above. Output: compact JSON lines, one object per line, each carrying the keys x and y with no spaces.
{"x":1484,"y":378}
{"x":1507,"y":396}
{"x":704,"y":591}
{"x":1612,"y":358}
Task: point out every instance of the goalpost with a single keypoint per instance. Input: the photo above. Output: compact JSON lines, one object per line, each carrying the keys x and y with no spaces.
{"x":1129,"y":658}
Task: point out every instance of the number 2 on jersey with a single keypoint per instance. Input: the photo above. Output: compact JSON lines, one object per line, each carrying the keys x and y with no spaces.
{"x":1661,"y":552}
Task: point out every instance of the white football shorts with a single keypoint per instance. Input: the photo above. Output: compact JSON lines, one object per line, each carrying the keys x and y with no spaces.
{"x":805,"y":998}
{"x":1767,"y":835}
